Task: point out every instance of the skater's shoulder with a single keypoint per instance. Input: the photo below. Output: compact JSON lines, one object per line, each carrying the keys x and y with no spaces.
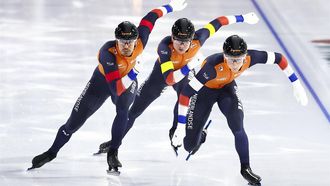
{"x":107,"y":46}
{"x":215,"y":58}
{"x":166,"y":40}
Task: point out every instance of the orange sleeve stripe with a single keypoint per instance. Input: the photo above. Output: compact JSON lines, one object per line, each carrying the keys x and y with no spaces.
{"x":170,"y":79}
{"x":158,"y":12}
{"x":223,"y":20}
{"x":120,"y":87}
{"x":183,"y":100}
{"x":283,"y":63}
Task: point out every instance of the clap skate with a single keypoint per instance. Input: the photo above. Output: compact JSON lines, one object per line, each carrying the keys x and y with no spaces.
{"x":252,"y":178}
{"x":113,"y":162}
{"x":103,"y":148}
{"x":42,"y":159}
{"x":203,"y":139}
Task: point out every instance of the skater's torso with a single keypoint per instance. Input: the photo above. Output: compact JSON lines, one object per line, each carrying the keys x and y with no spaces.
{"x":223,"y":74}
{"x":125,"y":64}
{"x":179,"y":60}
{"x":220,"y":74}
{"x":216,"y":72}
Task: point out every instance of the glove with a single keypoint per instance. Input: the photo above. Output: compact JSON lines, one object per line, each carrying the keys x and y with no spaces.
{"x":251,"y":18}
{"x":177,"y":5}
{"x":299,"y":93}
{"x":178,"y":135}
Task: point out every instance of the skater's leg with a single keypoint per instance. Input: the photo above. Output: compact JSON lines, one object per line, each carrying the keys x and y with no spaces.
{"x":198,"y":113}
{"x":232,"y":108}
{"x":148,"y":92}
{"x":90,"y":100}
{"x":119,"y":124}
{"x":92,"y":97}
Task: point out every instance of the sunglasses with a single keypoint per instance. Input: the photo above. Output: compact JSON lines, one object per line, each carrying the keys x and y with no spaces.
{"x":232,"y":59}
{"x":181,"y":41}
{"x":126,"y":42}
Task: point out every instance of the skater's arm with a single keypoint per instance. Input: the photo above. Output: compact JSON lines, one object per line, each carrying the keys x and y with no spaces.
{"x":264,"y":57}
{"x":179,"y":74}
{"x":213,"y":26}
{"x":166,"y":65}
{"x":125,"y":82}
{"x":279,"y":59}
{"x":148,"y":21}
{"x":170,"y":75}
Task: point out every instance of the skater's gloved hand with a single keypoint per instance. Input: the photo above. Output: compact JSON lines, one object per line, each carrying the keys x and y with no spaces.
{"x":178,"y":135}
{"x":299,"y":93}
{"x":178,"y":5}
{"x":251,"y":18}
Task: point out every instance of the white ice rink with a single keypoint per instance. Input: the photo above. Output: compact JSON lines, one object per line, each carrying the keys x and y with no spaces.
{"x":48,"y":52}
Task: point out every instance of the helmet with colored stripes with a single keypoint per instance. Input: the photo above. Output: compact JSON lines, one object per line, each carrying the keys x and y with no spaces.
{"x":234,"y":46}
{"x":126,"y":31}
{"x":183,"y":30}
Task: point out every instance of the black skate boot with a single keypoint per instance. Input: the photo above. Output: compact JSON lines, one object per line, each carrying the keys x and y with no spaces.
{"x":113,"y":162}
{"x":103,"y":148}
{"x":247,"y":174}
{"x":42,"y":159}
{"x":203,"y":139}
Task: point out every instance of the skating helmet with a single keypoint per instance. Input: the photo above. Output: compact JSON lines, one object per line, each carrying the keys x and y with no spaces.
{"x":234,"y":46}
{"x":126,"y":31}
{"x":183,"y":30}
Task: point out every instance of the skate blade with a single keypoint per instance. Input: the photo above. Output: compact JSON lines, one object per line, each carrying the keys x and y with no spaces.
{"x":187,"y":158}
{"x":175,"y":149}
{"x":113,"y":172}
{"x":208,"y":124}
{"x":31,"y":168}
{"x":98,"y":153}
{"x":255,"y":184}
